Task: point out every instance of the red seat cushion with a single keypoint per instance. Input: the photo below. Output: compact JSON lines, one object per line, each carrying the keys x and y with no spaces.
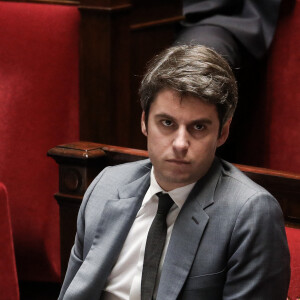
{"x":8,"y":274}
{"x":39,"y":97}
{"x":293,"y":236}
{"x":274,"y":138}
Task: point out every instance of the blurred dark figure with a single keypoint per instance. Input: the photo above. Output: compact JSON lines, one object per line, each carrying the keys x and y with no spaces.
{"x":234,"y":28}
{"x":242,"y":32}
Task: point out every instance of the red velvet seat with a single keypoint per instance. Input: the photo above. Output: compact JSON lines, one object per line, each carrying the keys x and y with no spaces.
{"x":282,"y":102}
{"x":39,"y":97}
{"x":275,"y":134}
{"x":8,"y":274}
{"x":293,"y":236}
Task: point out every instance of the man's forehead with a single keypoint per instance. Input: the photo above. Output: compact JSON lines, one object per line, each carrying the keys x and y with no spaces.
{"x":171,"y":99}
{"x":169,"y":94}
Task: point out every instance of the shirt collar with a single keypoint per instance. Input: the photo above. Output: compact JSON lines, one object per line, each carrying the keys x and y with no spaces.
{"x":178,"y":195}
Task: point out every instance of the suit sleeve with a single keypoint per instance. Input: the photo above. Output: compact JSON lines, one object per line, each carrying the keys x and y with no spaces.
{"x":76,"y":256}
{"x":258,"y":258}
{"x":251,"y":22}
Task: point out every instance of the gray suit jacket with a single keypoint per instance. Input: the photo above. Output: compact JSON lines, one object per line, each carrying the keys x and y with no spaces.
{"x":228,"y":241}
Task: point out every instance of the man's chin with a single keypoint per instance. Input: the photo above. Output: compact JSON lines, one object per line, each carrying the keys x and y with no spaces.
{"x":176,"y":180}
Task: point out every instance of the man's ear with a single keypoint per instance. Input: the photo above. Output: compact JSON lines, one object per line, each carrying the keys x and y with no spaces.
{"x":143,"y":124}
{"x":225,"y":133}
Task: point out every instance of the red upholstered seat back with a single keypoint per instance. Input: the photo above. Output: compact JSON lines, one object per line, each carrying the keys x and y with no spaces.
{"x":293,"y":236}
{"x":8,"y":274}
{"x":283,"y":93}
{"x":39,"y":109}
{"x":275,"y":135}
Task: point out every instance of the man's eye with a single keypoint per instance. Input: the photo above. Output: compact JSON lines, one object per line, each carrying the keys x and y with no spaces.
{"x":199,"y":127}
{"x":167,"y":123}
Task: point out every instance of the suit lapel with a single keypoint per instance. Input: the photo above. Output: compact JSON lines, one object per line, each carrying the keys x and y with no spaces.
{"x":186,"y":235}
{"x":115,"y":222}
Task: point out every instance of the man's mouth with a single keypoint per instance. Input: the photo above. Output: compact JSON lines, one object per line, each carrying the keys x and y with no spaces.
{"x":178,"y":161}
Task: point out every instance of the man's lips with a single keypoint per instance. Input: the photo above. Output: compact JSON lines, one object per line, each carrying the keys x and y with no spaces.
{"x":178,"y":161}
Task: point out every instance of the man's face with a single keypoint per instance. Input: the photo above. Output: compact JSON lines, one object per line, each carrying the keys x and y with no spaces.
{"x":182,"y":136}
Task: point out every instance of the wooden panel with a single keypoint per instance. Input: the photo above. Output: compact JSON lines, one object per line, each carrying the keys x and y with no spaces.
{"x":154,"y":11}
{"x":152,"y":39}
{"x":153,"y":28}
{"x":117,"y":39}
{"x":78,"y":166}
{"x":104,"y":74}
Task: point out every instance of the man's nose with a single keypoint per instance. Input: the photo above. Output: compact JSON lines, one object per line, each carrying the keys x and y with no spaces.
{"x":181,"y":141}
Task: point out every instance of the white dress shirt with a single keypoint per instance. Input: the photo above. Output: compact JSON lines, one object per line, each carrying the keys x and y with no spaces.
{"x":124,"y":282}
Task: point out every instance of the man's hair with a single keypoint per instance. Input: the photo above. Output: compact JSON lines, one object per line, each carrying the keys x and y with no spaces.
{"x":191,"y":70}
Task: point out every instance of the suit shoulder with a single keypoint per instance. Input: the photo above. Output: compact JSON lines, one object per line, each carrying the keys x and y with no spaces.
{"x":237,"y":195}
{"x":108,"y":182}
{"x":128,"y":172}
{"x":113,"y":177}
{"x":237,"y":188}
{"x":233,"y":176}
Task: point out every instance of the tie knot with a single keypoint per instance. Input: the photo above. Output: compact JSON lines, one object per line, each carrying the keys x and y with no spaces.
{"x":164,"y":203}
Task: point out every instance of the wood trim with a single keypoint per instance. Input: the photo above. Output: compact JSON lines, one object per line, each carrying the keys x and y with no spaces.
{"x":62,"y":198}
{"x":270,"y":172}
{"x":166,"y":21}
{"x":124,"y":150}
{"x":111,"y":9}
{"x":56,"y":2}
{"x":77,"y":150}
{"x":79,"y":3}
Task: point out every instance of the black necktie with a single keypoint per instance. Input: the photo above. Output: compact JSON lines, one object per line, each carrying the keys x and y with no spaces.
{"x":154,"y":246}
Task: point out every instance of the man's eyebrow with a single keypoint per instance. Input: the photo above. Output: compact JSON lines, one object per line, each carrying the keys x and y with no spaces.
{"x":196,"y":121}
{"x":164,"y":115}
{"x":202,"y":121}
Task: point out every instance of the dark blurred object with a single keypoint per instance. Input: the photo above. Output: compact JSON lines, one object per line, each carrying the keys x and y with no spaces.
{"x":235,"y":28}
{"x":242,"y":32}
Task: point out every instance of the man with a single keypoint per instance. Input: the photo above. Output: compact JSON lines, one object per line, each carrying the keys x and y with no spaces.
{"x":223,"y":236}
